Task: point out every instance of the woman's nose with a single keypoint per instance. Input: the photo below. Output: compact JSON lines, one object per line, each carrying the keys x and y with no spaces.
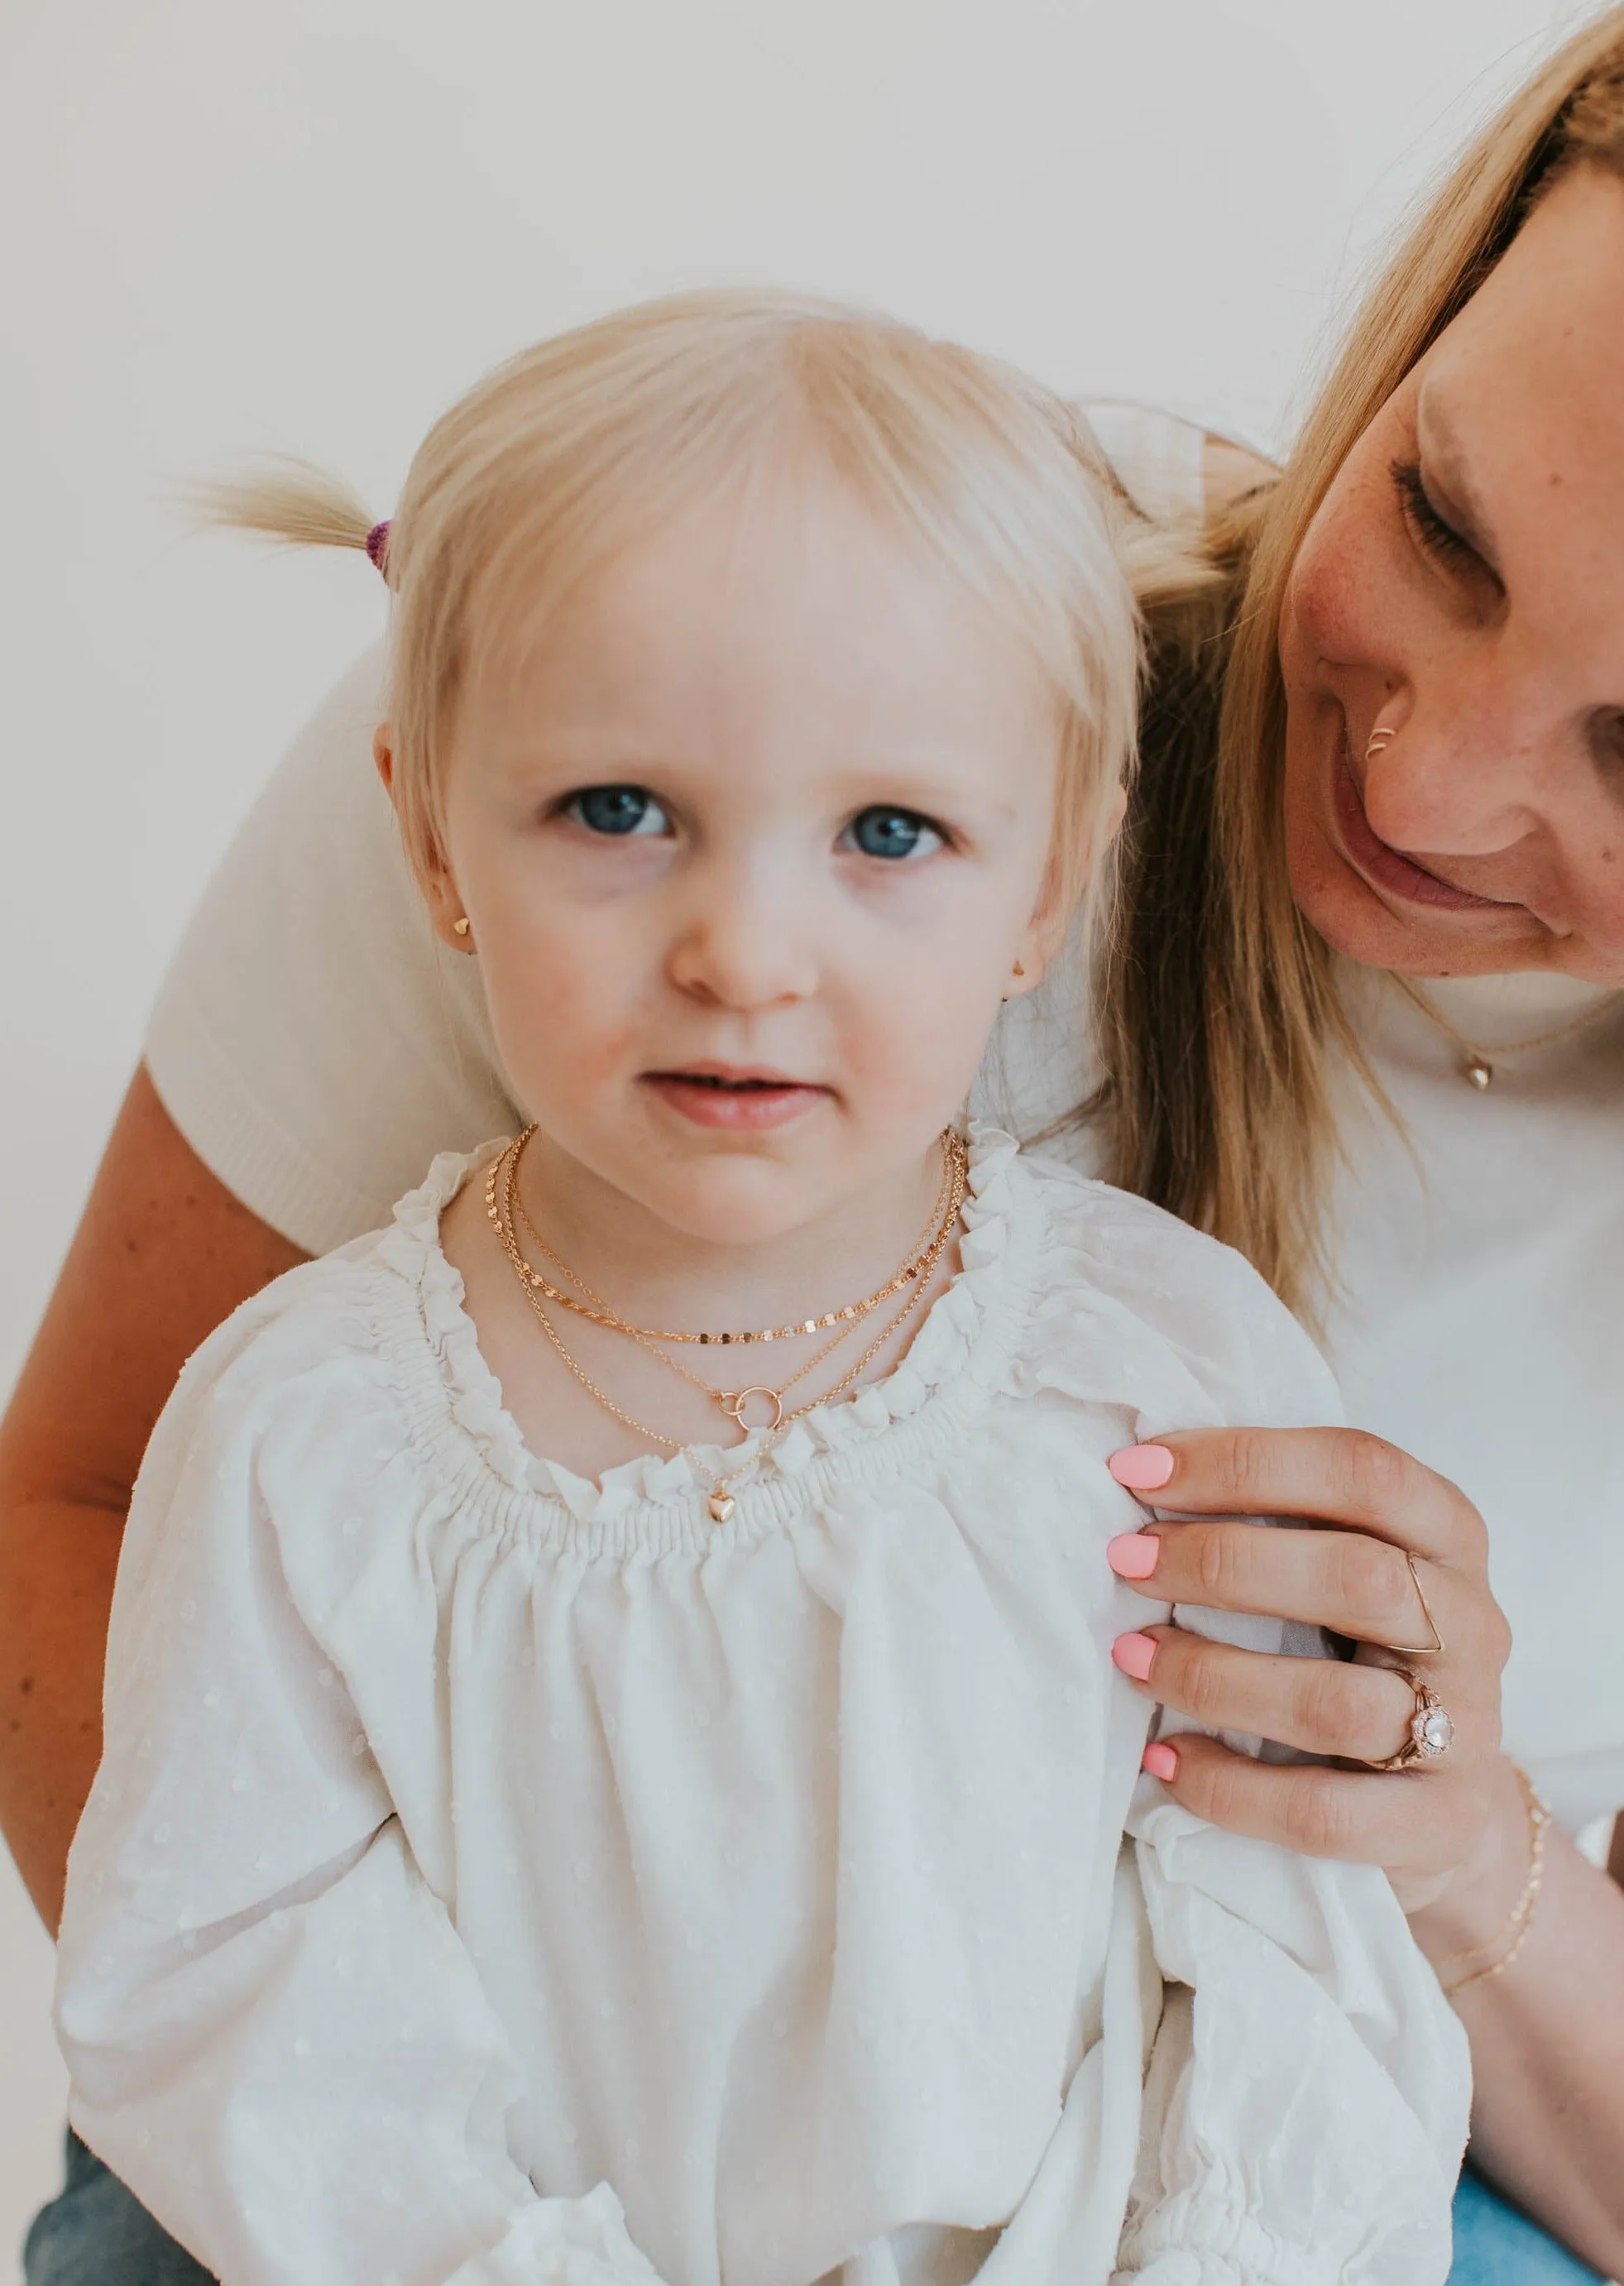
{"x":746,"y":940}
{"x":1467,"y":775}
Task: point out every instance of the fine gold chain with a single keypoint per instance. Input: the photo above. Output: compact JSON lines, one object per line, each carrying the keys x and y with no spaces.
{"x":729,"y":1401}
{"x":924,"y":1251}
{"x":1479,"y":1066}
{"x":1520,"y":1918}
{"x":721,"y":1501}
{"x":502,"y":1179}
{"x":498,"y":1205}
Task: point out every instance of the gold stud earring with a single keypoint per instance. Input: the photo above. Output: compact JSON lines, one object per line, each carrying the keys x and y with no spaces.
{"x":461,"y":927}
{"x":1019,"y":970}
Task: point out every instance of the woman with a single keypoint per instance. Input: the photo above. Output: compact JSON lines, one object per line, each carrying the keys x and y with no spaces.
{"x":1385,"y":743}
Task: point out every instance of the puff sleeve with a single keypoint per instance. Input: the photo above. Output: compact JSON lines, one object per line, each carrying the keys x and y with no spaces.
{"x":276,"y":2036}
{"x":1305,"y":2053}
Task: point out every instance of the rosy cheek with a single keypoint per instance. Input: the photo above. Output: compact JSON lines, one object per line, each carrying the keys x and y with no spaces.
{"x":1328,"y":600}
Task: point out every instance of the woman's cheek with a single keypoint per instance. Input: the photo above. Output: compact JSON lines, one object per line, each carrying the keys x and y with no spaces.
{"x":1330,"y":596}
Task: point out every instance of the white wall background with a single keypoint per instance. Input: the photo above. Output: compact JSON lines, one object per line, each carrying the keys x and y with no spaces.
{"x":307,"y":227}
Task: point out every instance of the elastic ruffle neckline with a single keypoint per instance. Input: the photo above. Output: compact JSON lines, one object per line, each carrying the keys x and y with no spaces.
{"x":958,"y":1358}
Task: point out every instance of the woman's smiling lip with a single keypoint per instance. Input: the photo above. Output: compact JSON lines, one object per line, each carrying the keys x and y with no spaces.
{"x":738,"y":1097}
{"x":1384,"y":867}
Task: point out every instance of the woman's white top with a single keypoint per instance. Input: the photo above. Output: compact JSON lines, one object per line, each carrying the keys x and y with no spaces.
{"x":479,"y":1850}
{"x":317,"y":1048}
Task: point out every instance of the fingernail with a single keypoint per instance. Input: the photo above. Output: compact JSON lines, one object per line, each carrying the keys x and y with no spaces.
{"x":1133,"y":1654}
{"x":1132,"y":1555}
{"x":1161,"y":1761}
{"x":1142,"y":1468}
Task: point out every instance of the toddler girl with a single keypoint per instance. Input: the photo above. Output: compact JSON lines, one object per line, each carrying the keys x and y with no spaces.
{"x":582,"y":1803}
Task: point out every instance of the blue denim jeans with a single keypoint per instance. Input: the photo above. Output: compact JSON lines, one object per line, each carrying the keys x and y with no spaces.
{"x":95,"y":2233}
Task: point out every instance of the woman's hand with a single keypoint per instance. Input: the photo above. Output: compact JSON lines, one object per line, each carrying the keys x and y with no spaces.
{"x":1436,"y":1827}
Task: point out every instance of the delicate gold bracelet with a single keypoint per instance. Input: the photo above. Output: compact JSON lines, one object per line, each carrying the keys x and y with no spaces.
{"x":1520,"y":1919}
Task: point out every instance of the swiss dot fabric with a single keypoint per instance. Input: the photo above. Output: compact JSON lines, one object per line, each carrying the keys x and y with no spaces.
{"x":498,"y":1878}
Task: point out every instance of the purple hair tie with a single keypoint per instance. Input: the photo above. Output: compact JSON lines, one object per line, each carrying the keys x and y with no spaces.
{"x":377,"y":546}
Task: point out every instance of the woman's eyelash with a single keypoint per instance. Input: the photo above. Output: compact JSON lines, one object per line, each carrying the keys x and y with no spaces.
{"x":1441,"y":540}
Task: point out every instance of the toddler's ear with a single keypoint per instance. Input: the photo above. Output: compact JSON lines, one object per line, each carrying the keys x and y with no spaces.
{"x":1043,"y":937}
{"x":1039,"y":943}
{"x":446,"y":917}
{"x":1046,"y":931}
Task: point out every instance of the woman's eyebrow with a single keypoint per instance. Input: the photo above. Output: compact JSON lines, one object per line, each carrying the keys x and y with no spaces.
{"x":1449,"y":473}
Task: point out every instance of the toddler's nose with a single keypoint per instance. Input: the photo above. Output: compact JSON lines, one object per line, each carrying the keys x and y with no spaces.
{"x":747,"y":944}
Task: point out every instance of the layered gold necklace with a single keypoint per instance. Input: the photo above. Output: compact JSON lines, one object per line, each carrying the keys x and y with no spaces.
{"x":506,"y":1210}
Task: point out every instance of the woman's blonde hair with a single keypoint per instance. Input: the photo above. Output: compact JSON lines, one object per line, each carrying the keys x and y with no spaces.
{"x":579,"y":447}
{"x":1219,"y":1013}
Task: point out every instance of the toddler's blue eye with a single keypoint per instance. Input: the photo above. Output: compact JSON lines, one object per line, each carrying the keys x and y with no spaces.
{"x":617,"y":809}
{"x":884,"y":833}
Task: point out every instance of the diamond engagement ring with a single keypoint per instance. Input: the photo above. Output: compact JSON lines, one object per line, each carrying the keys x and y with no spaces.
{"x":1432,"y":1733}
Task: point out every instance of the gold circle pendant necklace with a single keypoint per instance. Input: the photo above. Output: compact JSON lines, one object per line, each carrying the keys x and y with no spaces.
{"x":502,"y":1205}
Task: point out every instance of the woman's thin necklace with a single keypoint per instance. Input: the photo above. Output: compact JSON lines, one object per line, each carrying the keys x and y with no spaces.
{"x":1478,"y":1065}
{"x":499,"y":1190}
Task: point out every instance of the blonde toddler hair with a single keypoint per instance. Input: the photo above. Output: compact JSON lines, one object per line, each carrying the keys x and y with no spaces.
{"x":576,"y":449}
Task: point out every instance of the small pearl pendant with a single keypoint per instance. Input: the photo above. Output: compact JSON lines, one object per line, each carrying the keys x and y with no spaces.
{"x":720,"y":1505}
{"x":1479,"y":1074}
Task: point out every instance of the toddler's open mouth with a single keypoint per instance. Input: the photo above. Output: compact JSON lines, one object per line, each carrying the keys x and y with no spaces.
{"x":719,"y":1095}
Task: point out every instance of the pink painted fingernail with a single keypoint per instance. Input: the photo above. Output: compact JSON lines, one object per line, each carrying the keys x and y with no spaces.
{"x":1161,"y":1761}
{"x":1142,"y":1468}
{"x":1132,"y":1555}
{"x":1133,"y":1654}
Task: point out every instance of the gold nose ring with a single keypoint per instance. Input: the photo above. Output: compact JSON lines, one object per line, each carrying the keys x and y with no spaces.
{"x":1379,"y":740}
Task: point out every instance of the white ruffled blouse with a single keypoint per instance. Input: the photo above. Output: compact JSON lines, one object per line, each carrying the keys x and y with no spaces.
{"x":499,"y":1878}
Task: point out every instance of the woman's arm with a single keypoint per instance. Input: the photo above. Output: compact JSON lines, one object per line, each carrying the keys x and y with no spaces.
{"x":1547,"y":2038}
{"x":1549,"y":2115}
{"x":162,"y":1254}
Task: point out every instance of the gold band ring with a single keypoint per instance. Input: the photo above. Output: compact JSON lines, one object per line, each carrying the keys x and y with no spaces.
{"x":1420,"y":1651}
{"x":1432,"y":1733}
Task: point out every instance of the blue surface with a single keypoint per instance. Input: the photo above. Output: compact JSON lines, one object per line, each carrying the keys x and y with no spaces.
{"x":1496,"y":2246}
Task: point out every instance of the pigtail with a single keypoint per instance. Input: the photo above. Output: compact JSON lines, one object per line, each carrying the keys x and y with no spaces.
{"x":292,"y":502}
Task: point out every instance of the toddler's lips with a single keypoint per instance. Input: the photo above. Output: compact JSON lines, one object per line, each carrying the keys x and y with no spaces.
{"x":745,"y":1101}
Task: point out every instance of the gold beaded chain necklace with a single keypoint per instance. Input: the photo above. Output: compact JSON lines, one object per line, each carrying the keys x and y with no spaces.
{"x":1477,"y":1067}
{"x":922,"y":1255}
{"x":498,"y":1206}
